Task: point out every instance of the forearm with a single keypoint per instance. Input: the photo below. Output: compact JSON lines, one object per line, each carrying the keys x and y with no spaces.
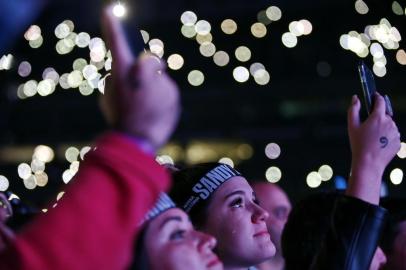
{"x":365,"y":182}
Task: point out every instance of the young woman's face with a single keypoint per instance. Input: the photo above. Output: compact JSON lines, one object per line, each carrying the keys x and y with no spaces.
{"x":239,"y":224}
{"x":172,"y":243}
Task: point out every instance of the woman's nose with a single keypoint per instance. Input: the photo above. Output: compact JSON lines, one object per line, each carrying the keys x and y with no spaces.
{"x":206,"y":240}
{"x":260,"y":214}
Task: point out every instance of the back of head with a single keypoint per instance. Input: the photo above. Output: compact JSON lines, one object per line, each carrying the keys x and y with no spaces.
{"x":397,"y":214}
{"x":306,"y":229}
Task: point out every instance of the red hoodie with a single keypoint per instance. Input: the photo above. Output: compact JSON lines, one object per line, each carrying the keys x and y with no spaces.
{"x":95,"y":224}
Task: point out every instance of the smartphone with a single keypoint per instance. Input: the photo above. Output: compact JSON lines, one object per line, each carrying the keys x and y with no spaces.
{"x":132,"y":33}
{"x":369,"y":89}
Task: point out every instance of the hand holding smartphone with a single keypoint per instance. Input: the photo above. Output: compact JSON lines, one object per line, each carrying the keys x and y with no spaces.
{"x":369,"y":89}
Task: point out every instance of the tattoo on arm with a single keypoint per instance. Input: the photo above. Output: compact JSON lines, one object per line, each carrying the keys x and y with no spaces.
{"x":384,"y":141}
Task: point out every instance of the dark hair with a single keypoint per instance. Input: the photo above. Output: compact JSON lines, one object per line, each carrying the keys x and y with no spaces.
{"x":397,"y":213}
{"x":183,"y":182}
{"x":306,"y":229}
{"x":140,"y":259}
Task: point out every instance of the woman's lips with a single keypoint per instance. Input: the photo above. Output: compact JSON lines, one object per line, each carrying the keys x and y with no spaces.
{"x":213,"y":262}
{"x":261,"y":233}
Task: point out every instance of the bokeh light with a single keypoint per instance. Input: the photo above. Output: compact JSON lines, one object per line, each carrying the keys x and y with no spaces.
{"x":228,"y":161}
{"x":156,"y":46}
{"x":37,"y":165}
{"x":30,"y":182}
{"x":274,"y":13}
{"x":221,"y":58}
{"x":229,"y":26}
{"x":401,"y":57}
{"x":41,"y":179}
{"x":307,"y":26}
{"x":361,"y":7}
{"x":204,"y":38}
{"x":207,"y":49}
{"x":84,"y":151}
{"x":255,"y":67}
{"x":4,"y":183}
{"x":203,"y":27}
{"x":64,"y":46}
{"x":24,"y":69}
{"x":325,"y":172}
{"x":188,"y":18}
{"x":6,"y":62}
{"x":261,"y":77}
{"x":243,"y":54}
{"x":396,"y":176}
{"x":258,"y":30}
{"x":262,"y":17}
{"x":241,"y":74}
{"x":289,"y":40}
{"x":313,"y":180}
{"x":165,"y":159}
{"x":44,"y":153}
{"x":85,"y":88}
{"x":33,"y":33}
{"x":62,"y":31}
{"x":402,"y":150}
{"x":30,"y":88}
{"x":175,"y":61}
{"x":397,"y":8}
{"x":195,"y":77}
{"x":46,"y":87}
{"x":82,"y":40}
{"x":296,"y":28}
{"x":35,"y":44}
{"x":75,"y":78}
{"x":145,"y":36}
{"x":273,"y":174}
{"x":272,"y":150}
{"x":71,"y":154}
{"x":188,"y":31}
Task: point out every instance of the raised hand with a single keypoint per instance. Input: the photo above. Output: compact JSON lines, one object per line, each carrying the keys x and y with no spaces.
{"x":374,"y":143}
{"x":140,"y":98}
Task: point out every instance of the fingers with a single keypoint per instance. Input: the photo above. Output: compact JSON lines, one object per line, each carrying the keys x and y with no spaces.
{"x":116,"y":41}
{"x":353,"y":113}
{"x":380,"y":106}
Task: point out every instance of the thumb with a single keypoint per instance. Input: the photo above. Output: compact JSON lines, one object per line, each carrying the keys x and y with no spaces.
{"x":353,"y":113}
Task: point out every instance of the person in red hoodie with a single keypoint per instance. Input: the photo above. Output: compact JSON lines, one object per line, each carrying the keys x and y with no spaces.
{"x":97,"y":221}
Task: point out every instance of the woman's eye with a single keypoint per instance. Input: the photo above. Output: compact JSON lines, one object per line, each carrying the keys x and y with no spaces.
{"x":236,"y":203}
{"x":179,"y":234}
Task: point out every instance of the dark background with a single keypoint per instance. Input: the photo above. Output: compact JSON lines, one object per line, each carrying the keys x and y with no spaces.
{"x":302,"y":111}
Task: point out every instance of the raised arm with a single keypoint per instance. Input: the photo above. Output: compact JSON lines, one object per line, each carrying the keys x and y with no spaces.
{"x":357,"y":220}
{"x":374,"y":143}
{"x":95,"y":223}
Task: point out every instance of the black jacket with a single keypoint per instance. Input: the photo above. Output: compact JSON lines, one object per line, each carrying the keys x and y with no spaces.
{"x":353,"y":236}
